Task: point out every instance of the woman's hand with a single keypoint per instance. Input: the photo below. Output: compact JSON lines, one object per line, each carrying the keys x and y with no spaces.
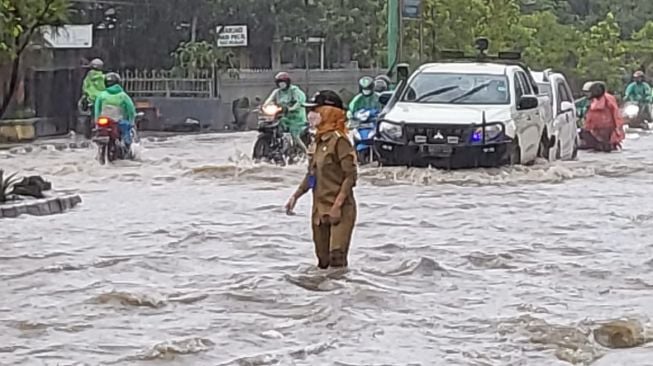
{"x":335,"y":214}
{"x":290,"y":205}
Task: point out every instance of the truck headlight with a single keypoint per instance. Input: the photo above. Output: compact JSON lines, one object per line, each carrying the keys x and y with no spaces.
{"x":491,"y":132}
{"x":391,"y":130}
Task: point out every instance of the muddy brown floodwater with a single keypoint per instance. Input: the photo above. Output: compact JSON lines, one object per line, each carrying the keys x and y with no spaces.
{"x":186,"y":258}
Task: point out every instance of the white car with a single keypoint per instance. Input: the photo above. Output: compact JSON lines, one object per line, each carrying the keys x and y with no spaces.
{"x":463,"y":114}
{"x":563,"y":124}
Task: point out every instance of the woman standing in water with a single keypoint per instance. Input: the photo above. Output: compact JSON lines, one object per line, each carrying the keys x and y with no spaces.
{"x":332,"y":174}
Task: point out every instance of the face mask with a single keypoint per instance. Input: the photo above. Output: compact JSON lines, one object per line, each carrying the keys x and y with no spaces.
{"x":314,"y":119}
{"x":283,"y":85}
{"x":367,"y":92}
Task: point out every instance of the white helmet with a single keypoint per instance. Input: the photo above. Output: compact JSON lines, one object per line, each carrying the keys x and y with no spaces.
{"x":587,"y":86}
{"x":97,"y":64}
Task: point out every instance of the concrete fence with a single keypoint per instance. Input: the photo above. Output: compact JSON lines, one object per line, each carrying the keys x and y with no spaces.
{"x":213,"y":95}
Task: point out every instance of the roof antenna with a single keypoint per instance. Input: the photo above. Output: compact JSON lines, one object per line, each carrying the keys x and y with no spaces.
{"x":482,"y":44}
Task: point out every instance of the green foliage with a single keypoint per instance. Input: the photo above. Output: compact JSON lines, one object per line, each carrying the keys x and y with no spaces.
{"x":195,"y":57}
{"x":602,"y":54}
{"x":20,"y":23}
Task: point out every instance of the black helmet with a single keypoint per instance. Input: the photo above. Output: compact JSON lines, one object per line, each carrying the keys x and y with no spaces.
{"x":111,"y":79}
{"x":325,"y":98}
{"x":282,"y":77}
{"x":383,"y":77}
{"x":380,"y":85}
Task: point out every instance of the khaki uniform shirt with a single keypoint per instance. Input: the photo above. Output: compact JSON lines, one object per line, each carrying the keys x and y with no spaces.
{"x":332,"y":163}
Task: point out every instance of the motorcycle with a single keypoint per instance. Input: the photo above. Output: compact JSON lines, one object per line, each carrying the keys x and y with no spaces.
{"x":273,"y":143}
{"x":362,"y":129}
{"x":634,"y":116}
{"x":84,"y":117}
{"x":107,"y":137}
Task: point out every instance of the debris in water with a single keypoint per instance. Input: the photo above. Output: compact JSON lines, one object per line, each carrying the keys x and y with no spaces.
{"x":125,"y":298}
{"x":620,"y":334}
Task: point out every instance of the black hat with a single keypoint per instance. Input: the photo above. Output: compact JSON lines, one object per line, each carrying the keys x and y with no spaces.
{"x":325,"y":98}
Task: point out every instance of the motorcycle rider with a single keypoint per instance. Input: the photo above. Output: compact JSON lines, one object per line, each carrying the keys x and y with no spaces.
{"x":583,"y":103}
{"x":291,"y":99}
{"x":93,"y":82}
{"x":380,"y":86}
{"x":384,"y":79}
{"x":640,"y":91}
{"x":603,"y":130}
{"x":115,"y":104}
{"x":366,"y":98}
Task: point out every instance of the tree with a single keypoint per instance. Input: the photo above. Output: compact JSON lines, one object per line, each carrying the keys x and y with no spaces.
{"x":551,"y":44}
{"x":194,"y":57}
{"x":640,"y":48}
{"x":20,"y":23}
{"x":602,"y":55}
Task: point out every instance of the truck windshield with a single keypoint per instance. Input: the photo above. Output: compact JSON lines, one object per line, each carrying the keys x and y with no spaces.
{"x":449,"y":88}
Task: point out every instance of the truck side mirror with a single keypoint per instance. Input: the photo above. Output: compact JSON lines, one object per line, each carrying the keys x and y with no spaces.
{"x":403,"y":71}
{"x":384,"y":98}
{"x":527,"y":102}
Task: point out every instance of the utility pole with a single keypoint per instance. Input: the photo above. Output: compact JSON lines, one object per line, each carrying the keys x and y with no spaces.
{"x":393,"y":33}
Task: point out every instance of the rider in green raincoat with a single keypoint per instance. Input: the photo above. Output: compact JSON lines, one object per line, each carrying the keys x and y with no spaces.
{"x":640,"y":91}
{"x":94,"y":81}
{"x":291,"y":99}
{"x":366,"y":99}
{"x":583,"y":104}
{"x":114,"y":103}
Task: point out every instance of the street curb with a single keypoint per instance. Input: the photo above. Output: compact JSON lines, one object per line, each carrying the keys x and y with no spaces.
{"x":60,"y":146}
{"x":42,"y":207}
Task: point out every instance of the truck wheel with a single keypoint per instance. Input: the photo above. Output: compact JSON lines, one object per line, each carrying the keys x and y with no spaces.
{"x":544,"y":151}
{"x":574,"y":153}
{"x":515,"y":154}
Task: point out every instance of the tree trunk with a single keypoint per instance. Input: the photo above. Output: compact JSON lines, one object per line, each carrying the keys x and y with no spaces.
{"x":13,"y":81}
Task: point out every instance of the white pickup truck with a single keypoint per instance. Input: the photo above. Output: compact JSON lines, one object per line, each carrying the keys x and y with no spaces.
{"x":564,"y":141}
{"x":464,"y":114}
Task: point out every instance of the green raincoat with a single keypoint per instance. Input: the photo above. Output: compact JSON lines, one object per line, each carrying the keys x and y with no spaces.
{"x":115,"y":104}
{"x":638,"y":92}
{"x":361,"y":101}
{"x":292,"y":98}
{"x":93,"y":84}
{"x":582,"y":105}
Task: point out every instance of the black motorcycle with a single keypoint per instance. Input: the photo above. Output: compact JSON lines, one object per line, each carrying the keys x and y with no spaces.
{"x":274,"y":144}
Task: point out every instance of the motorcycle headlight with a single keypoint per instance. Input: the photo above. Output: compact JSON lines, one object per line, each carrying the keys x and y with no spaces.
{"x":491,"y":133}
{"x":271,"y":110}
{"x":631,"y":111}
{"x":391,"y":130}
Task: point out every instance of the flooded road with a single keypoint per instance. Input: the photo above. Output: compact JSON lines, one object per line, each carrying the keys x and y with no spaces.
{"x":186,"y":258}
